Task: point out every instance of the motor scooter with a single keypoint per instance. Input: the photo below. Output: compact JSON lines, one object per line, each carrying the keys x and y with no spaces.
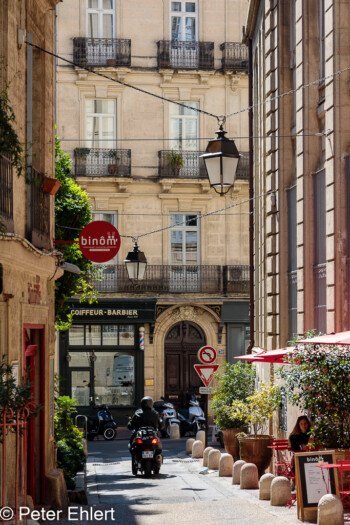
{"x":146,"y":452}
{"x":101,"y":424}
{"x":192,"y":418}
{"x":167,"y":414}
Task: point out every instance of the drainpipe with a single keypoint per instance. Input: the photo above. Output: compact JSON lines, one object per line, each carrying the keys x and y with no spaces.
{"x":29,"y":132}
{"x":251,"y":195}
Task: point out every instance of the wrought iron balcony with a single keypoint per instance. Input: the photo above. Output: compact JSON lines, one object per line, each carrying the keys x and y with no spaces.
{"x":6,"y":189}
{"x":175,"y":54}
{"x":96,"y":162}
{"x":243,"y":166}
{"x":107,"y":52}
{"x":188,"y":166}
{"x":234,"y":55}
{"x":40,"y":211}
{"x":175,"y":279}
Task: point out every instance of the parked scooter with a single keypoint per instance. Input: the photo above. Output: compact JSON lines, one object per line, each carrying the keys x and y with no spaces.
{"x":191,"y":419}
{"x":146,"y":452}
{"x":101,"y":424}
{"x":167,"y":414}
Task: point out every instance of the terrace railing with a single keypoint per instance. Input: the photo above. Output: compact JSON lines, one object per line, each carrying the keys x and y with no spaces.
{"x":6,"y":189}
{"x":176,"y":54}
{"x":40,"y":211}
{"x":96,"y":162}
{"x":103,"y":52}
{"x":193,"y":167}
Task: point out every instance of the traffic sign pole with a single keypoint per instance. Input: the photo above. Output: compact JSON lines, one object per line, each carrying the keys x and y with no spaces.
{"x":206,"y":354}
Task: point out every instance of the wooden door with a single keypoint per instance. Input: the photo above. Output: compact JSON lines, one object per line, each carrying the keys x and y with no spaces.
{"x":182,"y":343}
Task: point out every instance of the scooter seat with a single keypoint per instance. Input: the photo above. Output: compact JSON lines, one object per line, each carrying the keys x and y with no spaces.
{"x":184,"y":412}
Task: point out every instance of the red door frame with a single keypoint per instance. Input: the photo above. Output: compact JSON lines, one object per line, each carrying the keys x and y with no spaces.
{"x":29,"y":351}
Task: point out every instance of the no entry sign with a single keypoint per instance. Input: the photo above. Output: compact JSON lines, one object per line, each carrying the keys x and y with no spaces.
{"x":99,"y":241}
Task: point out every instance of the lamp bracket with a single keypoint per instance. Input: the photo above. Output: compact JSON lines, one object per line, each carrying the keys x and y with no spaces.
{"x":221,"y":121}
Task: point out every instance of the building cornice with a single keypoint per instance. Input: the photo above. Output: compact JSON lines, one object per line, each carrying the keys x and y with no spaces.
{"x":253,"y":11}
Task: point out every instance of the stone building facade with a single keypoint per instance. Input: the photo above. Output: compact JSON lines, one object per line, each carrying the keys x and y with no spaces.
{"x":28,"y":262}
{"x":301,"y":153}
{"x":122,"y":142}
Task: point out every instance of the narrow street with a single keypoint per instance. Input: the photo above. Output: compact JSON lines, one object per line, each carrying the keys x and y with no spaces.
{"x":180,"y":494}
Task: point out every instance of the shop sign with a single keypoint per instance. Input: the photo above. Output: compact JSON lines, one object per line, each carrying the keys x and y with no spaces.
{"x":99,"y":241}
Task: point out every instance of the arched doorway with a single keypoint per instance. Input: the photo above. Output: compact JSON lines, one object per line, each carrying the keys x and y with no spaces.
{"x":181,"y":345}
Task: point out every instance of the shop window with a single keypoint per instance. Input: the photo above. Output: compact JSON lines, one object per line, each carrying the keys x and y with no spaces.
{"x":127,"y":335}
{"x":110,"y":335}
{"x":81,"y":387}
{"x":115,"y":378}
{"x":76,"y":335}
{"x":93,"y":334}
{"x":79,"y":359}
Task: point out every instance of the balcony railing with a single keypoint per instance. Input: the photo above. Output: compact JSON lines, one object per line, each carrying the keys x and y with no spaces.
{"x":185,"y":55}
{"x":193,"y":166}
{"x":6,"y":188}
{"x":114,"y":52}
{"x":234,"y":55}
{"x":40,"y":211}
{"x":175,"y":279}
{"x":243,"y":166}
{"x":95,"y":162}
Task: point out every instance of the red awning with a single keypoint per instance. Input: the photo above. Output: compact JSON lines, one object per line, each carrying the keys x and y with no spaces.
{"x":339,"y":338}
{"x":273,"y":356}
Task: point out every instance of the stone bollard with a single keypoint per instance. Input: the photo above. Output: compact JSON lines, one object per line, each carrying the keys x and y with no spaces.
{"x":249,"y":478}
{"x":225,"y":465}
{"x":330,"y":510}
{"x":201,"y":436}
{"x":236,"y":472}
{"x":174,"y":431}
{"x":189,"y":444}
{"x":197,"y":449}
{"x":265,"y":486}
{"x":214,"y":459}
{"x":280,"y":492}
{"x":205,"y":456}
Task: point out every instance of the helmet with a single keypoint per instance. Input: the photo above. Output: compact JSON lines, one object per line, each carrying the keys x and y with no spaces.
{"x":146,"y":402}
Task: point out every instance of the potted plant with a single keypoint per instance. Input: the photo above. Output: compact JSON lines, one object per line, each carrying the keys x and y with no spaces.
{"x":175,"y":161}
{"x":236,"y":381}
{"x":112,"y":167}
{"x":317,"y":379}
{"x":256,"y":410}
{"x":50,"y":185}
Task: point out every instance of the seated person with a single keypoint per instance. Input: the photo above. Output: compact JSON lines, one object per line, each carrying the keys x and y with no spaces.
{"x":300,"y":435}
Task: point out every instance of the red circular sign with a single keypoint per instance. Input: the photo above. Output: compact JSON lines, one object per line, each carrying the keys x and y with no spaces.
{"x":99,"y":241}
{"x":207,"y":354}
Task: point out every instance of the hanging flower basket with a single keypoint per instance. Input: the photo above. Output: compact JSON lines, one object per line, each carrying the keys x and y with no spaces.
{"x":50,"y":185}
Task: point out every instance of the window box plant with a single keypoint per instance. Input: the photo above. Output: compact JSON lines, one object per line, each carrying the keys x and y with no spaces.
{"x":236,"y":381}
{"x":113,"y":159}
{"x":256,"y":410}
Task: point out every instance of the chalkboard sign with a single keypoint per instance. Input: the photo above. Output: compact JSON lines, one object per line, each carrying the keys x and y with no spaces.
{"x":312,"y":482}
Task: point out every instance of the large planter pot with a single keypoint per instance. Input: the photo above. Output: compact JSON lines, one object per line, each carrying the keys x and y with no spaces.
{"x":231,"y":442}
{"x":254,"y":449}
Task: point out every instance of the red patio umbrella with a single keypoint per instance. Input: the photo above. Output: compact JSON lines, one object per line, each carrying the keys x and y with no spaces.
{"x":273,"y":356}
{"x":339,"y":338}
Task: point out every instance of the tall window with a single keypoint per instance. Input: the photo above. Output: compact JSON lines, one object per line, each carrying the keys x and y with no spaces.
{"x":322,"y":37}
{"x":184,"y":21}
{"x":100,"y":123}
{"x":293,"y":54}
{"x":292,"y":262}
{"x":320,"y":282}
{"x":184,"y":127}
{"x":100,"y":19}
{"x":184,"y":239}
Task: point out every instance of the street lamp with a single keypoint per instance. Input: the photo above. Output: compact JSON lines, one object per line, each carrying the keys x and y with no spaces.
{"x":221,"y":160}
{"x":136,"y":263}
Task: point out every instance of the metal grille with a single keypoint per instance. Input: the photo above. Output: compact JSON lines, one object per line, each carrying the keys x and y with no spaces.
{"x":6,"y":188}
{"x":101,"y":52}
{"x":193,"y":166}
{"x":320,"y":283}
{"x":243,"y":167}
{"x":293,"y":303}
{"x":283,"y":411}
{"x":95,"y":162}
{"x":185,"y":55}
{"x":234,"y":55}
{"x":175,"y":279}
{"x":40,"y":205}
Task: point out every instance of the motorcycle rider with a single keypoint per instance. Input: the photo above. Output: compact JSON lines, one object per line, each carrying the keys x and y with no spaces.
{"x":145,"y":416}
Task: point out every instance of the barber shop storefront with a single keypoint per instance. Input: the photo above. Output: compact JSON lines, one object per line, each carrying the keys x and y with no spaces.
{"x":102,"y":354}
